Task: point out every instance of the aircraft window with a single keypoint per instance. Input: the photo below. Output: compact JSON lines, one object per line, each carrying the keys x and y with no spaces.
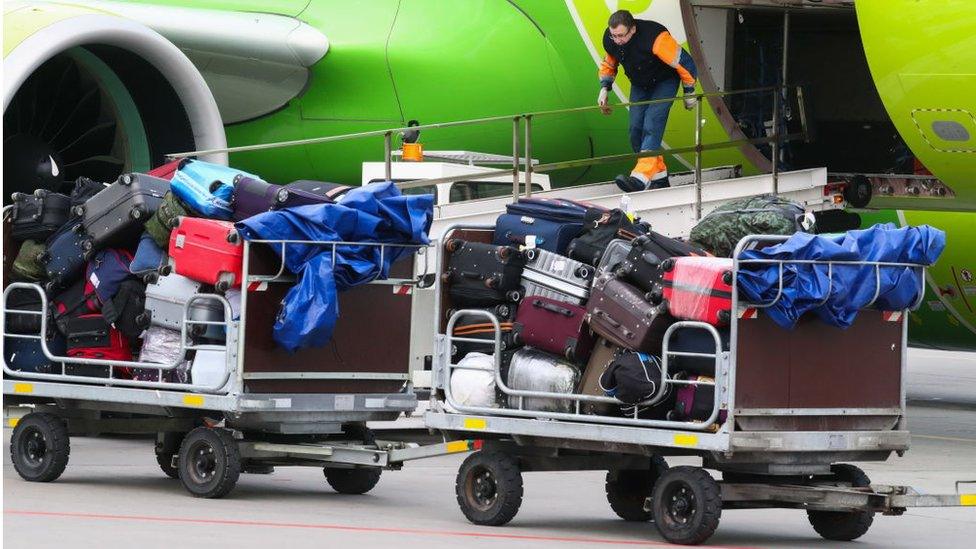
{"x":472,"y":190}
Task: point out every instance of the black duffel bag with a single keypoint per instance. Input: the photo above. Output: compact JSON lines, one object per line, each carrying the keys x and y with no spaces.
{"x":599,"y":228}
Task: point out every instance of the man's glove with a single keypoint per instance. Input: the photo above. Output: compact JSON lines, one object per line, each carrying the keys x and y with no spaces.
{"x":689,"y":101}
{"x":602,"y":100}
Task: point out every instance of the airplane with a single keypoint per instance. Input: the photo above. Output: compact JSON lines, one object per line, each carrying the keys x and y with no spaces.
{"x":99,"y":88}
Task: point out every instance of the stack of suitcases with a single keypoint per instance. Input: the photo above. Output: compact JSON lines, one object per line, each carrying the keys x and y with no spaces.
{"x":583,"y":296}
{"x":119,"y":262}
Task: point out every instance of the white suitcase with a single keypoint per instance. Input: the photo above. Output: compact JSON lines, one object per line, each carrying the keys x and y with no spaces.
{"x":551,"y":275}
{"x":167,"y":297}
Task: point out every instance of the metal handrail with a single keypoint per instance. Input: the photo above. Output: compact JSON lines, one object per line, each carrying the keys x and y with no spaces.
{"x":517,"y":119}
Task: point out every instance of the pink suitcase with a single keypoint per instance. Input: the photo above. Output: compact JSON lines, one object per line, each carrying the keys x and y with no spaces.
{"x":699,"y":288}
{"x":208,"y":251}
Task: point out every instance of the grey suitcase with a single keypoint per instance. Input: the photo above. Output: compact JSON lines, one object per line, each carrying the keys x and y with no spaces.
{"x":533,"y":370}
{"x":166,"y":298}
{"x":116,"y":215}
{"x":616,"y":254}
{"x":551,"y":275}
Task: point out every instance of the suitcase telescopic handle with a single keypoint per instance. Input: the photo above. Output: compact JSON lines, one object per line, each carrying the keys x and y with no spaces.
{"x":552,"y":307}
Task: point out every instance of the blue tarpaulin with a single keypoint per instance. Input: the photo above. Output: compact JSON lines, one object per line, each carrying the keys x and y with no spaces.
{"x":374,"y":213}
{"x":850,"y":287}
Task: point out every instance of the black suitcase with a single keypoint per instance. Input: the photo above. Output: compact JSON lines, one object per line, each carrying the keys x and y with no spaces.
{"x":332,"y":191}
{"x":37,"y":216}
{"x":479,"y":327}
{"x":83,"y":190}
{"x":116,"y":215}
{"x":694,"y":340}
{"x":482,"y":275}
{"x":599,"y":228}
{"x":23,"y":299}
{"x":64,"y":259}
{"x":126,"y":308}
{"x":643,"y":265}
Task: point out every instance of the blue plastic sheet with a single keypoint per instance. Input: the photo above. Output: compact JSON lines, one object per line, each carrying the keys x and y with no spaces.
{"x":374,"y":213}
{"x":207,"y":188}
{"x":835,"y":298}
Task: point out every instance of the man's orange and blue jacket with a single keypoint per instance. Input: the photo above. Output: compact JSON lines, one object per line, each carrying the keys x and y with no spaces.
{"x":649,"y":57}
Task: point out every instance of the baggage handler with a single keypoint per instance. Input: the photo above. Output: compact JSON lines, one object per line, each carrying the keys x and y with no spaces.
{"x":655,"y":64}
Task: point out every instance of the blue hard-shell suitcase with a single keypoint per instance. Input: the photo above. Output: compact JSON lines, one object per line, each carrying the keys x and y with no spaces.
{"x":206,"y":188}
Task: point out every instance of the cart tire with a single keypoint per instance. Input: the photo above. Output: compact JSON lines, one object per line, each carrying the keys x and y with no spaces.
{"x":209,"y":462}
{"x":352,"y":481}
{"x":843,"y":525}
{"x":627,"y":489}
{"x":489,"y":488}
{"x":687,"y":505}
{"x":166,"y":449}
{"x":39,"y":447}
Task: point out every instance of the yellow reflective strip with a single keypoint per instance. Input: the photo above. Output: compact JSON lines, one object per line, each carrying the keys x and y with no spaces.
{"x":686,"y":440}
{"x":12,"y":422}
{"x":457,"y":446}
{"x":193,"y":400}
{"x":23,"y":388}
{"x":472,"y":423}
{"x":967,"y":499}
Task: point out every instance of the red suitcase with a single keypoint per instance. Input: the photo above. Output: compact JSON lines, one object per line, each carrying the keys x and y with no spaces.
{"x":699,"y":288}
{"x":555,"y":327}
{"x":208,"y":251}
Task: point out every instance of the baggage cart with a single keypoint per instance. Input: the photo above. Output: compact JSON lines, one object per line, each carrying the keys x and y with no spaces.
{"x":266,"y":408}
{"x":797,"y":405}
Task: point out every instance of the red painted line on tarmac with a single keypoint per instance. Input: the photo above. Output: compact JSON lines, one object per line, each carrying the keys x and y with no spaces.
{"x":449,"y":533}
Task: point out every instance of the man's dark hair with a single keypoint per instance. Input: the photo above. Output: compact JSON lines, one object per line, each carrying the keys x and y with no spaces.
{"x":621,"y":17}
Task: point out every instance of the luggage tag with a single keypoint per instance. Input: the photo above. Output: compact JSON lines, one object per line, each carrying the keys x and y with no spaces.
{"x":529,"y":242}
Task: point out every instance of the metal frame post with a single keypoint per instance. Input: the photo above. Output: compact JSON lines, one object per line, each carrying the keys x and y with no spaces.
{"x":528,"y":155}
{"x":515,"y":158}
{"x":388,"y":155}
{"x":698,"y":158}
{"x":775,"y":143}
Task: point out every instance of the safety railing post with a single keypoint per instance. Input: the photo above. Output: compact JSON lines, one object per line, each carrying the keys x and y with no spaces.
{"x":775,"y":143}
{"x":388,"y":155}
{"x":698,"y":158}
{"x":528,"y":155}
{"x":515,"y":158}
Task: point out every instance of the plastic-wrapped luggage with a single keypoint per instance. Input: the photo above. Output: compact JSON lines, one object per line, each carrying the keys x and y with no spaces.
{"x":600,"y":227}
{"x":253,"y":196}
{"x":480,"y":274}
{"x":473,"y":381}
{"x":554,"y":276}
{"x":28,"y":265}
{"x":554,"y":326}
{"x":699,"y":288}
{"x":533,"y":370}
{"x":723,"y":228}
{"x":165,"y":219}
{"x":634,"y":378}
{"x":37,"y":216}
{"x":208,"y":251}
{"x":115,"y":216}
{"x":206,"y":188}
{"x":554,"y":222}
{"x":623,"y":315}
{"x":160,"y":345}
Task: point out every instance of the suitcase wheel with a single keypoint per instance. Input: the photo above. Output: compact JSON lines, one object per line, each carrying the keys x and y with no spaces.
{"x":165,"y":270}
{"x":234,"y":237}
{"x":654,"y":297}
{"x":282,"y":196}
{"x":151,"y":278}
{"x":667,"y":264}
{"x":136,"y":212}
{"x":491,"y":282}
{"x":453,"y":245}
{"x":727,"y":278}
{"x":126,"y":179}
{"x":530,"y":254}
{"x":41,"y":193}
{"x":222,"y":286}
{"x":504,"y":252}
{"x":143,"y":319}
{"x":446,"y":278}
{"x":515,"y":296}
{"x":724,"y":316}
{"x":87,"y":245}
{"x":583,"y":272}
{"x":17,"y":196}
{"x":503,"y":311}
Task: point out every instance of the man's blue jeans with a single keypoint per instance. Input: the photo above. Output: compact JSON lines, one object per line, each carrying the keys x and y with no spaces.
{"x":647,"y":122}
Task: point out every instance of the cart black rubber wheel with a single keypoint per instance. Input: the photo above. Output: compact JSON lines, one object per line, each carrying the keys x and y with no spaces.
{"x":209,"y":462}
{"x":354,"y":481}
{"x":627,"y":489}
{"x":843,"y":525}
{"x":489,"y":488}
{"x":686,"y":505}
{"x":166,"y":450}
{"x":39,"y":447}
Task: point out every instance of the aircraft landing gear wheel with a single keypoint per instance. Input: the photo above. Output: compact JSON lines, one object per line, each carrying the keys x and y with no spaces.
{"x":489,"y":488}
{"x":843,"y":525}
{"x":627,"y":489}
{"x":686,"y":505}
{"x":39,"y":447}
{"x":209,"y":462}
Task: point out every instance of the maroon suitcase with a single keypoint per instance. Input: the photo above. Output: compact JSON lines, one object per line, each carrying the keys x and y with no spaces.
{"x":554,"y":326}
{"x":620,"y":313}
{"x":253,"y":196}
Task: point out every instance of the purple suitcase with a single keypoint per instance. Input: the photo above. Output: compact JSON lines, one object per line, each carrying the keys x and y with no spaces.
{"x":620,"y":313}
{"x":695,"y":402}
{"x":554,"y":326}
{"x":253,"y":196}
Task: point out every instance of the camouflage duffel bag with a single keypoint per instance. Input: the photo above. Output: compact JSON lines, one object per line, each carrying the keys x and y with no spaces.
{"x":28,"y":266}
{"x":165,"y":219}
{"x":720,"y":230}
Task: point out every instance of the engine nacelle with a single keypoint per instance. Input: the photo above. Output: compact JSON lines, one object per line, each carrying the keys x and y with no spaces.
{"x":92,"y":94}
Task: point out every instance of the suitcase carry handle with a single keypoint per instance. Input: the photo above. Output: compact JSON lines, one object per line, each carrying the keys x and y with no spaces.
{"x":552,"y":307}
{"x":471,"y":274}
